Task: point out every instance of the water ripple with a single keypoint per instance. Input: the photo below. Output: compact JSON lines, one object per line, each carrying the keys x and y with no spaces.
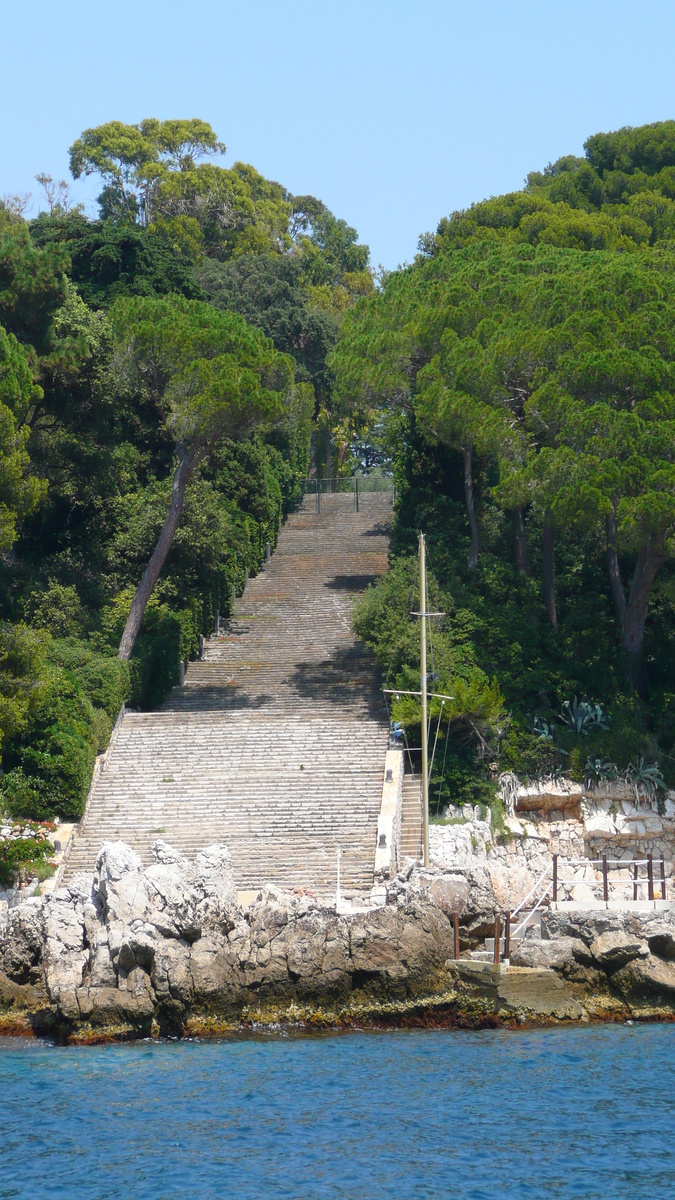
{"x":548,"y":1115}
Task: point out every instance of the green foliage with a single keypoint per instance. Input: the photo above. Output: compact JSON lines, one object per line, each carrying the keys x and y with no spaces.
{"x":20,"y":490}
{"x":58,"y":700}
{"x":24,"y":856}
{"x":471,"y":724}
{"x":645,"y":777}
{"x":521,"y":372}
{"x":32,"y":285}
{"x":109,"y":260}
{"x":582,"y":717}
{"x":268,"y":290}
{"x":599,"y":770}
{"x":49,"y":764}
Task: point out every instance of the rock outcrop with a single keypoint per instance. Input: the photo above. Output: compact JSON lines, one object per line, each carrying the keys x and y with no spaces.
{"x":166,"y":947}
{"x":138,"y":951}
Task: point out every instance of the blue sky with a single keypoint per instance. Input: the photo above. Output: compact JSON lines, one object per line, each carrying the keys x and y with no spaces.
{"x":393,"y":113}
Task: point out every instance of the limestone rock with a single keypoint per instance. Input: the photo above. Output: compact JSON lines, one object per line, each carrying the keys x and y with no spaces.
{"x":557,"y":955}
{"x":22,"y":943}
{"x":615,"y":948}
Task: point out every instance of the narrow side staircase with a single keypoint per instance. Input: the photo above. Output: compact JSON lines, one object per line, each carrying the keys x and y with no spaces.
{"x":411,"y":817}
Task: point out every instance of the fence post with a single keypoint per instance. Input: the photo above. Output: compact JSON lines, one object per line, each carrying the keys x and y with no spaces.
{"x":455,"y":930}
{"x":555,"y":878}
{"x":605,"y":883}
{"x":635,"y":881}
{"x":181,"y":673}
{"x":498,"y":938}
{"x":663,"y":878}
{"x":356,"y":493}
{"x":650,"y":877}
{"x":507,"y":937}
{"x":201,"y":646}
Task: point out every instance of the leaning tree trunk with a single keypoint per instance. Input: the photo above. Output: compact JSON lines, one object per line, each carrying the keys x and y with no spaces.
{"x":152,"y":571}
{"x":548,"y":569}
{"x":632,"y":613}
{"x":519,"y":544}
{"x":472,"y":560}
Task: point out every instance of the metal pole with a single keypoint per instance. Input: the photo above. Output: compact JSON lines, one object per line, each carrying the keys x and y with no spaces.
{"x":455,"y":930}
{"x":663,"y":879}
{"x":650,"y":877}
{"x":356,"y":493}
{"x":635,"y":881}
{"x":555,"y":878}
{"x":507,"y":937}
{"x":605,"y":884}
{"x":498,"y":938}
{"x":337,"y":892}
{"x":423,"y":686}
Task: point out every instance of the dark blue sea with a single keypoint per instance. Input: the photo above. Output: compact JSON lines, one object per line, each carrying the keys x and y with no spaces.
{"x":365,"y":1116}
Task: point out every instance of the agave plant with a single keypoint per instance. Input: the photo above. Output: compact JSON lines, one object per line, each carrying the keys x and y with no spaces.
{"x":599,"y":770}
{"x":645,"y":777}
{"x":580,"y":716}
{"x":542,"y":729}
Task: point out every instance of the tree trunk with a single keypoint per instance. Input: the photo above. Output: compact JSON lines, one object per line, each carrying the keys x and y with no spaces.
{"x":519,"y":543}
{"x":632,"y":613}
{"x":646,"y":567}
{"x":548,"y":570}
{"x":152,"y":571}
{"x":616,"y":584}
{"x":472,"y":560}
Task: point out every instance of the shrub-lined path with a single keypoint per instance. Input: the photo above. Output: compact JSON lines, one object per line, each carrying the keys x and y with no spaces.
{"x":275,"y":744}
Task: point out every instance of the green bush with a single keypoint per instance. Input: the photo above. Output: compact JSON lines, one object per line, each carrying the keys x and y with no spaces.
{"x":57,"y":609}
{"x":20,"y":855}
{"x":102,"y":677}
{"x":49,"y":765}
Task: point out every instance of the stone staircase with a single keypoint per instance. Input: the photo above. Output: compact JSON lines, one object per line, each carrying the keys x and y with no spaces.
{"x":275,"y":743}
{"x":411,"y":817}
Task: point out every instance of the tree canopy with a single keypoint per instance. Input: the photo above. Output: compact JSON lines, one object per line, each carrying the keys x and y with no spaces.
{"x":522,"y":368}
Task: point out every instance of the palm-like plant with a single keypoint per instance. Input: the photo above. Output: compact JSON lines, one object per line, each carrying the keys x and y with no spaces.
{"x":581,"y":717}
{"x":599,"y":770}
{"x":645,"y":777}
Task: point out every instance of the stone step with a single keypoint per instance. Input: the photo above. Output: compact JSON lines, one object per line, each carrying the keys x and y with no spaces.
{"x":275,"y":743}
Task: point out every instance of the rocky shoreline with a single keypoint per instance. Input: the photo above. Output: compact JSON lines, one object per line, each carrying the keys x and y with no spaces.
{"x":165,"y":950}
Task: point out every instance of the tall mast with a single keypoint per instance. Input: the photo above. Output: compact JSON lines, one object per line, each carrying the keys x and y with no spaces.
{"x":423,"y":688}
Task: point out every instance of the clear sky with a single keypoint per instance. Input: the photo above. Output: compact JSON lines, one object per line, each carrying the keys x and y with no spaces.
{"x":393,"y":112}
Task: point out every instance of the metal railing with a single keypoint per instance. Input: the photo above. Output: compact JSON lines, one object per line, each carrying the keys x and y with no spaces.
{"x":350,"y":485}
{"x":550,"y":883}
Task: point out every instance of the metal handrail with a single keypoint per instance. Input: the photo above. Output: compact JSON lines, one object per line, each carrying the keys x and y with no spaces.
{"x":635,"y":881}
{"x":540,"y":901}
{"x":531,"y":891}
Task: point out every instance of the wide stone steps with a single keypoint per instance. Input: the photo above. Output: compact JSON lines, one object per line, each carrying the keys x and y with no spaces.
{"x":275,"y":744}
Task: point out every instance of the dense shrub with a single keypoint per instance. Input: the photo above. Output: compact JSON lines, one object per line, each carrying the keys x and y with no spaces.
{"x":25,"y":855}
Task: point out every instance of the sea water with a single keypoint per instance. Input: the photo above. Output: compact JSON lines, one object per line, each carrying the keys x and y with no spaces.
{"x":567,"y":1112}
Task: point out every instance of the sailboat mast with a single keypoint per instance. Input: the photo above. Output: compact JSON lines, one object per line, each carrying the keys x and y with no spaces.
{"x":423,"y":688}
